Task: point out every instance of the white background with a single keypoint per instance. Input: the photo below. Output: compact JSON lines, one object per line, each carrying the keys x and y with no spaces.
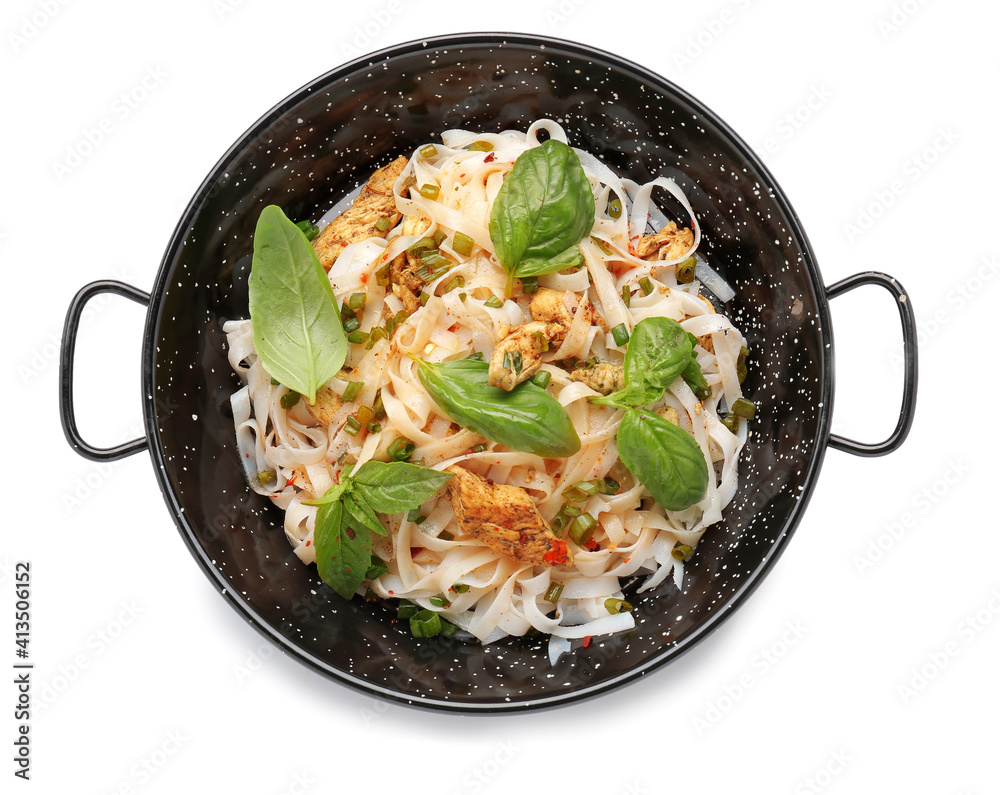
{"x":866,"y":661}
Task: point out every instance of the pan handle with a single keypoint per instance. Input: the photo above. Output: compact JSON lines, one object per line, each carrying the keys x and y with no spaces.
{"x":908,"y":406}
{"x":70,"y":329}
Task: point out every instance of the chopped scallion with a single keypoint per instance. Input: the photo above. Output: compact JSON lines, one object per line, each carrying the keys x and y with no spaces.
{"x":365,"y":416}
{"x":682,"y":552}
{"x":428,"y":151}
{"x":460,"y":587}
{"x":620,"y":334}
{"x":542,"y":378}
{"x":383,"y":223}
{"x":627,"y":296}
{"x":494,"y":303}
{"x":353,"y":425}
{"x":358,"y":337}
{"x":356,"y":302}
{"x":289,"y":399}
{"x":462,"y":244}
{"x":529,"y":284}
{"x":741,"y":364}
{"x":617,"y":606}
{"x":646,"y":285}
{"x":685,"y":271}
{"x":480,"y":146}
{"x":430,"y":191}
{"x":615,"y":208}
{"x":744,"y":408}
{"x":553,"y":592}
{"x":425,"y":624}
{"x":582,"y":529}
{"x":309,"y":229}
{"x":352,"y":390}
{"x":401,"y":449}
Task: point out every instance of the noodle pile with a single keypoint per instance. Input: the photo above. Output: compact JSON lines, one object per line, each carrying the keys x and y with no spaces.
{"x":634,"y":535}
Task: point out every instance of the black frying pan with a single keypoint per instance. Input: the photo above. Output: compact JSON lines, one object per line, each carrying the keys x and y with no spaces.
{"x":314,"y":148}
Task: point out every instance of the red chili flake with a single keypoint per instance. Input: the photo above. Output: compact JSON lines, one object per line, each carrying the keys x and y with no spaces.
{"x":490,"y":157}
{"x":364,"y":278}
{"x":557,"y":554}
{"x":586,"y":641}
{"x":292,"y":479}
{"x":350,"y":533}
{"x":308,"y":542}
{"x":391,"y":593}
{"x":591,"y":545}
{"x":461,"y":176}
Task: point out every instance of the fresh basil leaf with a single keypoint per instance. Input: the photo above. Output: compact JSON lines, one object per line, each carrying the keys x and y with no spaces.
{"x":377,"y":569}
{"x":664,"y":458}
{"x":543,"y":209}
{"x":343,"y":549}
{"x":695,"y":378}
{"x":398,"y":486}
{"x":360,"y":511}
{"x":658,"y":352}
{"x":296,"y":325}
{"x":527,"y":418}
{"x":570,"y":258}
{"x":333,"y":494}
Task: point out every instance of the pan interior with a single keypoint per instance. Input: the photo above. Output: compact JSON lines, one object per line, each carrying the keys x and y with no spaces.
{"x":318,"y":146}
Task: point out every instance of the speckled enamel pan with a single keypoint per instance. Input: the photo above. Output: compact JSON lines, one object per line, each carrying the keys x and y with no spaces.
{"x":315,"y":147}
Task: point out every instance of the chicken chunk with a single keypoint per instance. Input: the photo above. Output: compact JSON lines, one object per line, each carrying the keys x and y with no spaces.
{"x":327,"y":404}
{"x":517,"y":356}
{"x":550,"y":305}
{"x":669,"y":413}
{"x":505,"y":519}
{"x":605,"y":377}
{"x":406,"y":284}
{"x":358,"y":222}
{"x":669,"y":243}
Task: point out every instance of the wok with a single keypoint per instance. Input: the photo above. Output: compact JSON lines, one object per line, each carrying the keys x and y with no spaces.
{"x":318,"y":145}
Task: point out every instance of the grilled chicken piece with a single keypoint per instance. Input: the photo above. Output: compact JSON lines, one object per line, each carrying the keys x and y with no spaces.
{"x":669,"y":413}
{"x":375,"y":202}
{"x":552,"y":319}
{"x":550,"y":305}
{"x":518,"y":356}
{"x":669,"y":243}
{"x":406,"y":285}
{"x":604,"y":377}
{"x":326,"y":405}
{"x":505,"y":519}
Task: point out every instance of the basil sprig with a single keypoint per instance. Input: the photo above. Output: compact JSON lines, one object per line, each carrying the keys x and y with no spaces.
{"x":347,"y":517}
{"x":658,"y":351}
{"x":544,"y":208}
{"x":527,"y":418}
{"x":296,"y":326}
{"x":662,"y":456}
